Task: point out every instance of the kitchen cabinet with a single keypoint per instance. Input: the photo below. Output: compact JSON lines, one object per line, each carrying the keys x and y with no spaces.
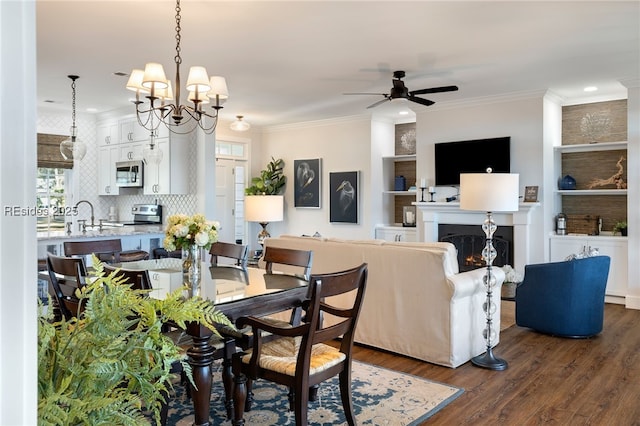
{"x":131,"y":131}
{"x":562,"y":246}
{"x":107,"y":133}
{"x":396,"y":233}
{"x":131,"y":151}
{"x":107,"y":157}
{"x":164,"y":282}
{"x":171,"y":176}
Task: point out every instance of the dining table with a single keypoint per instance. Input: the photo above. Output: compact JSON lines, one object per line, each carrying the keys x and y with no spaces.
{"x":236,"y":291}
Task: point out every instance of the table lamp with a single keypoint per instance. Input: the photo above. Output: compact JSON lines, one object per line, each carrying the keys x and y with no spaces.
{"x":489,"y":192}
{"x":263,"y":209}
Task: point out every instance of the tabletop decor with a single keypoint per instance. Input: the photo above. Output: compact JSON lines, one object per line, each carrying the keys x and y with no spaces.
{"x":191,"y":234}
{"x":112,"y":364}
{"x":511,"y":280}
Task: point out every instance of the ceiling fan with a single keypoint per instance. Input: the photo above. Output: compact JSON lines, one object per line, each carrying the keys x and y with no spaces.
{"x":400,"y":91}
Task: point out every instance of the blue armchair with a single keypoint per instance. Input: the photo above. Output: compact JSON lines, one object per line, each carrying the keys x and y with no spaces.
{"x":564,"y":298}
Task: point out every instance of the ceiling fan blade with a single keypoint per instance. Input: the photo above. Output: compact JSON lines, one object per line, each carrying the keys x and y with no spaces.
{"x":434,"y":90}
{"x":416,"y":99}
{"x":379,"y":94}
{"x":377,"y":103}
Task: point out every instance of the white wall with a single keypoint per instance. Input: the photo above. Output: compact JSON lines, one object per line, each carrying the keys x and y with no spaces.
{"x":343,"y":145}
{"x":521,"y":119}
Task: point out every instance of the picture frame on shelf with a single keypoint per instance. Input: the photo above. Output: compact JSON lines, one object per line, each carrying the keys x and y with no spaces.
{"x":530,"y":194}
{"x":343,"y":197}
{"x":307,"y":180}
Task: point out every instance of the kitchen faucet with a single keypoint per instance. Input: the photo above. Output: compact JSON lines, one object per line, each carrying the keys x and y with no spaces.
{"x":90,"y":205}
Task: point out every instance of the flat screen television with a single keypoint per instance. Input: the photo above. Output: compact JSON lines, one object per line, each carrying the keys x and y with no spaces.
{"x":473,"y":156}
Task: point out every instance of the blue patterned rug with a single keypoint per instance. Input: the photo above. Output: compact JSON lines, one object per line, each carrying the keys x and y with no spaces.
{"x":380,"y":397}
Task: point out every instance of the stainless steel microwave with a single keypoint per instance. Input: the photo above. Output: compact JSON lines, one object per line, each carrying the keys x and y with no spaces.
{"x":129,"y":174}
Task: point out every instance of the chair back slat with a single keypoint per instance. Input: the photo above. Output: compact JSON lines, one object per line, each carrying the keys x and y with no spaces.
{"x":238,"y":252}
{"x":105,"y":250}
{"x":292,"y":257}
{"x":138,"y":279}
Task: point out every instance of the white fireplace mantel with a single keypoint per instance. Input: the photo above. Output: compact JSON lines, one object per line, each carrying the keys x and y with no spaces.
{"x":438,"y":212}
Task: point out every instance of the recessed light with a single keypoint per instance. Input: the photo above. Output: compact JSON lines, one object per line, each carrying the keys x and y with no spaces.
{"x":404,"y":113}
{"x":590,"y":89}
{"x":120,"y":74}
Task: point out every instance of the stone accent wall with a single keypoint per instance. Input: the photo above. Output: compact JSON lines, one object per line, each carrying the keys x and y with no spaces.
{"x":595,"y":123}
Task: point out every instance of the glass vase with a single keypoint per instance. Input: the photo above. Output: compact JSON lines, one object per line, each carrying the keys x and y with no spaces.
{"x":191,"y":269}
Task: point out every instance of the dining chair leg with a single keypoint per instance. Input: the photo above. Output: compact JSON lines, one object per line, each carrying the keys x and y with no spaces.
{"x":345,"y":395}
{"x":227,"y":376}
{"x":249,"y":402}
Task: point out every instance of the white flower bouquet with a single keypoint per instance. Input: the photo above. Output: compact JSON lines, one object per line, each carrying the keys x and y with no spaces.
{"x":511,"y":275}
{"x":183,"y":231}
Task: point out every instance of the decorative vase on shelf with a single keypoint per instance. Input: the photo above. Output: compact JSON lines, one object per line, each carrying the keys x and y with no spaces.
{"x":567,"y":183}
{"x":191,"y":268}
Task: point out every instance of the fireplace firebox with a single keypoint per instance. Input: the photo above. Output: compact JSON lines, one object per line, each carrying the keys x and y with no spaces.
{"x":469,"y":240}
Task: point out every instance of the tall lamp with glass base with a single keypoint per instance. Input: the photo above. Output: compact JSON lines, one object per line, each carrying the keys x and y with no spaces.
{"x":489,"y":192}
{"x":263,"y":209}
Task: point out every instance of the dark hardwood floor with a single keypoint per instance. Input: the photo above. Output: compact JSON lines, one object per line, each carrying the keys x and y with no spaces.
{"x":549,"y":380}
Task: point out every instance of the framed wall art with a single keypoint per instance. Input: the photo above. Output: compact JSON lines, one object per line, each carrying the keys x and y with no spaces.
{"x":530,"y":194}
{"x":343,"y":196}
{"x":307,"y":183}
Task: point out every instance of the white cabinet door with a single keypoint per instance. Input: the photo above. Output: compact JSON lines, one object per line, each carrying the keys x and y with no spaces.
{"x":396,"y":234}
{"x":131,"y":151}
{"x":614,"y":247}
{"x":131,"y":131}
{"x":164,"y":283}
{"x":107,"y":133}
{"x":107,"y":157}
{"x":171,"y":176}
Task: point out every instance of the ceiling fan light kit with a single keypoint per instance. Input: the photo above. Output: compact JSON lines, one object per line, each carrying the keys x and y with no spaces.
{"x":152,"y":83}
{"x":400,"y":92}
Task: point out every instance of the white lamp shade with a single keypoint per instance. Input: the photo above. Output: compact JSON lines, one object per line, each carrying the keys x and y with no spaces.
{"x":218,"y":87}
{"x":135,"y":81}
{"x":154,"y":76}
{"x":198,"y":80}
{"x":264,"y":208}
{"x":166,"y":93}
{"x":489,"y":192}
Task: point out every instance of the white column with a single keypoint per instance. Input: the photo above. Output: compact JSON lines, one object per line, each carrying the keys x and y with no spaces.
{"x":18,"y":247}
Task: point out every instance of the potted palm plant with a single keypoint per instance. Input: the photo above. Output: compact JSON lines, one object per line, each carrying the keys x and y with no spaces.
{"x":271,"y":180}
{"x":112,"y":364}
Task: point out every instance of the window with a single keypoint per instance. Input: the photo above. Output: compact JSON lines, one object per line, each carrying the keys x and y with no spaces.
{"x":51,"y":190}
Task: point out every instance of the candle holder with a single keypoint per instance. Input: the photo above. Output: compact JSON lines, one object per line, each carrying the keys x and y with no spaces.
{"x":422,"y":188}
{"x":431,"y":194}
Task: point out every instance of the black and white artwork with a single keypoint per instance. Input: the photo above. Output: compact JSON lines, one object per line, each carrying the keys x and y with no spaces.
{"x":343,"y":197}
{"x":307,"y":183}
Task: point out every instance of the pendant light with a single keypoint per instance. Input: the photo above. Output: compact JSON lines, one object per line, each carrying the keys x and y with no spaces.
{"x":239,"y":125}
{"x":73,"y":148}
{"x":151,"y":153}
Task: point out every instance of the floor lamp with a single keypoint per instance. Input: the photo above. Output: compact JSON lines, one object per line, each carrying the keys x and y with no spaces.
{"x":263,"y":209}
{"x":489,"y":192}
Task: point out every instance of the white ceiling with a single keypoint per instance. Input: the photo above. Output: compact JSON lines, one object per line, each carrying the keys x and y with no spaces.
{"x":292,"y":61}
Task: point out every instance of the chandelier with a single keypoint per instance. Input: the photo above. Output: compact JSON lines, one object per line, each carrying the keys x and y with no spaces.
{"x":73,"y":148}
{"x":179,"y":118}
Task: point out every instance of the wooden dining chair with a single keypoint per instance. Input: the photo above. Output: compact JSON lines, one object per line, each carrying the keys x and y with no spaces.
{"x":291,"y":257}
{"x":302,"y":357}
{"x":109,"y":251}
{"x":238,"y":252}
{"x":138,"y":279}
{"x":66,"y":274}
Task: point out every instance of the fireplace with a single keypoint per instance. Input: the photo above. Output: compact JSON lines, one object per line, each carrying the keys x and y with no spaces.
{"x":470,"y":241}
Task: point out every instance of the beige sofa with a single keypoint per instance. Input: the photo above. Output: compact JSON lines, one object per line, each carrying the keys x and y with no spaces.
{"x":416,"y":302}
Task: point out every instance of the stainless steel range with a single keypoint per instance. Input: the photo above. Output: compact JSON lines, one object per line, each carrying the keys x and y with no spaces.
{"x":145,"y":214}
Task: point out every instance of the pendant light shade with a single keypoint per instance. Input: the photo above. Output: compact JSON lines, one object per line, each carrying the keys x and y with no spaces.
{"x":73,"y":148}
{"x":151,"y":153}
{"x":239,"y":125}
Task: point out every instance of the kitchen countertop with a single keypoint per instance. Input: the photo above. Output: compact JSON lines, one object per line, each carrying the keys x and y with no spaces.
{"x":107,"y":232}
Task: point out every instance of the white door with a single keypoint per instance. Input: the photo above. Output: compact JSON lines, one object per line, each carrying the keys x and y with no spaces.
{"x":229,"y":198}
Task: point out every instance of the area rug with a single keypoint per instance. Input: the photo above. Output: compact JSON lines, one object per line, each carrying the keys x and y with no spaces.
{"x":380,"y":397}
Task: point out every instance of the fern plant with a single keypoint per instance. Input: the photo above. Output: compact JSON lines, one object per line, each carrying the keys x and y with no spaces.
{"x":112,"y":364}
{"x":271,"y":180}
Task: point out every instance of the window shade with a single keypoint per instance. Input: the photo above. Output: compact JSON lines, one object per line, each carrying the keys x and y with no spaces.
{"x":49,"y":152}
